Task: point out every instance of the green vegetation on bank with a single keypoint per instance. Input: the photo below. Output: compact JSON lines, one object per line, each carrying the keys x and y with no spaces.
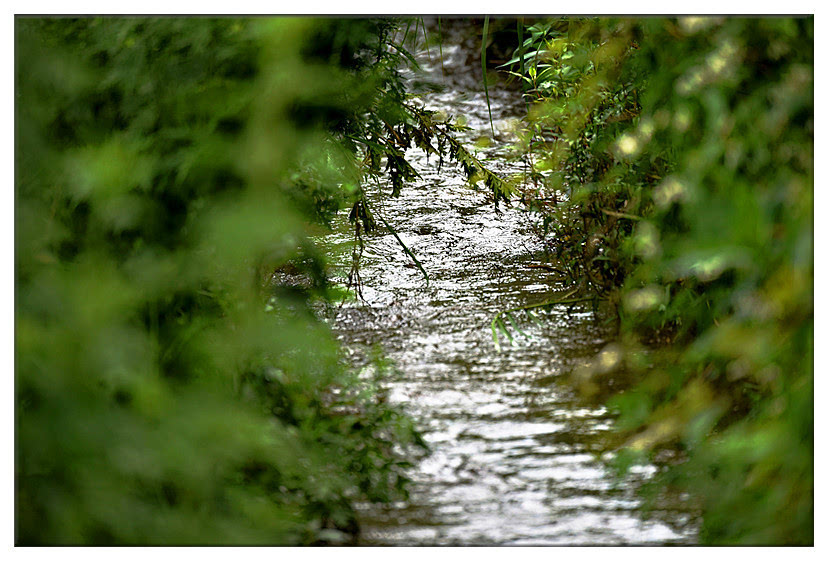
{"x":672,"y":165}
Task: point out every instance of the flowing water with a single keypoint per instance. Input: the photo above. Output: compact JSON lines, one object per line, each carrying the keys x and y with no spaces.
{"x":514,"y":454}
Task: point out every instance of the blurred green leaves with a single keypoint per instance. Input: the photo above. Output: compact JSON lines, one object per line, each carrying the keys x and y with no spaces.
{"x":161,"y":178}
{"x":704,"y":128}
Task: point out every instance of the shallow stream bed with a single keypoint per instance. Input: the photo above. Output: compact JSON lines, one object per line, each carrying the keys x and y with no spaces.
{"x":515,"y":455}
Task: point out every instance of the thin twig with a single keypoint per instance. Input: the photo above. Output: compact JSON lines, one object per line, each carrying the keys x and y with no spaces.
{"x":621,"y":214}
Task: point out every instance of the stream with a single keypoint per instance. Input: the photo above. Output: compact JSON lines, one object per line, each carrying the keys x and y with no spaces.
{"x":515,"y":454}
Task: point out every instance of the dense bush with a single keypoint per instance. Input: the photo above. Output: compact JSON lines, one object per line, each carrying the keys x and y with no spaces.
{"x":168,"y":176}
{"x":673,"y":162}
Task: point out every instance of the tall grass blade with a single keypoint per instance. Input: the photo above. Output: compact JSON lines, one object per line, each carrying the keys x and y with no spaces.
{"x":499,"y":325}
{"x":416,"y":35}
{"x":405,"y":35}
{"x":494,"y":333}
{"x":425,"y":38}
{"x":510,"y":316}
{"x":440,"y":31}
{"x":485,"y":79}
{"x":522,"y":66}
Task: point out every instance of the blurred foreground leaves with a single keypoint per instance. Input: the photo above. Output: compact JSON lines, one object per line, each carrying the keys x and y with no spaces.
{"x":164,"y":170}
{"x":673,"y":163}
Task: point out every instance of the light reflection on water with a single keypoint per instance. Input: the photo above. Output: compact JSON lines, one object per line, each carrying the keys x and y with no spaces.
{"x":514,"y":453}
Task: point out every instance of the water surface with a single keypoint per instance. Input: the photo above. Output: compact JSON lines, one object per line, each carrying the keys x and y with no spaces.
{"x":515,"y":454}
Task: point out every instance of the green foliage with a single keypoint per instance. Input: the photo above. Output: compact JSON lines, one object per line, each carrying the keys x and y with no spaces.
{"x":673,"y":160}
{"x":580,"y":95}
{"x":168,"y":174}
